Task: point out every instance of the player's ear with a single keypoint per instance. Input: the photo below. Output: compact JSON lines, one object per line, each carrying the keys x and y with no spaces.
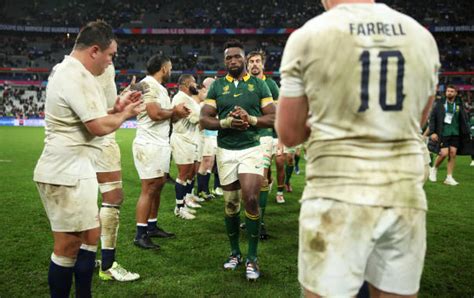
{"x":94,"y":51}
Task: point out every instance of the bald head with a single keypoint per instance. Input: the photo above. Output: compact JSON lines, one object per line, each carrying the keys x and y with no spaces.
{"x":207,"y":82}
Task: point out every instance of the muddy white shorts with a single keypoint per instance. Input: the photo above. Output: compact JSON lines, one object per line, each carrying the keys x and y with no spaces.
{"x":151,"y":160}
{"x":184,"y":152}
{"x":342,"y":244}
{"x":71,"y":208}
{"x":267,"y":149}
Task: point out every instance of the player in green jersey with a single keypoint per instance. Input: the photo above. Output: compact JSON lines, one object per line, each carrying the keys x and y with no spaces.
{"x":243,"y":104}
{"x":255,"y":66}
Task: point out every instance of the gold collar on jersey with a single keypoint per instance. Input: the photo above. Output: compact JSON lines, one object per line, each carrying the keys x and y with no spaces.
{"x":229,"y":78}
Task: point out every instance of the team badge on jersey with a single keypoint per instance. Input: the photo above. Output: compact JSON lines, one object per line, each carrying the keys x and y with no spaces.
{"x":251,"y":87}
{"x":225,"y":89}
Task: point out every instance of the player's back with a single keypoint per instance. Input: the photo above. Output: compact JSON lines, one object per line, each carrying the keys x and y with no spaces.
{"x":368,"y":72}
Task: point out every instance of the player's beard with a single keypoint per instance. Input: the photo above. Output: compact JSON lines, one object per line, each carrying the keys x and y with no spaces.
{"x":193,"y":90}
{"x":166,"y":77}
{"x":255,"y":71}
{"x":236,"y":72}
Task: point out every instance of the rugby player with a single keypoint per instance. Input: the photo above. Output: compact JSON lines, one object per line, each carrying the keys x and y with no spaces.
{"x":244,"y":104}
{"x":185,"y":146}
{"x":109,"y":176}
{"x":151,"y":148}
{"x":76,"y":116}
{"x":368,"y":75}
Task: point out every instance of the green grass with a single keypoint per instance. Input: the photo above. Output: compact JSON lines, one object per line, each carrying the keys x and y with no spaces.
{"x":191,"y":264}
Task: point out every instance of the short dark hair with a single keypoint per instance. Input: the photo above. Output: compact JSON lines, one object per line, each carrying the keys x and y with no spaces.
{"x":450,"y":86}
{"x":95,"y":33}
{"x":257,"y":53}
{"x":183,"y":78}
{"x":155,"y":63}
{"x":233,"y":43}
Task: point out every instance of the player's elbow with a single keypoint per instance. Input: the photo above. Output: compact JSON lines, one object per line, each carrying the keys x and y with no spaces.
{"x":95,"y":128}
{"x":288,"y":140}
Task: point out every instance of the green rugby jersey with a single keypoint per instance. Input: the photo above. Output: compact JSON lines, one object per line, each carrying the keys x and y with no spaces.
{"x":272,"y":85}
{"x":251,"y":94}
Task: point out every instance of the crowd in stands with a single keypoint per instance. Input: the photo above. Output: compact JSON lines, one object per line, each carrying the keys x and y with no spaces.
{"x":190,"y":52}
{"x":210,"y":13}
{"x":22,"y":102}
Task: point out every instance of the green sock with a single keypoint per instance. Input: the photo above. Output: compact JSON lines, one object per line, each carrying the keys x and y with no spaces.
{"x":288,"y":173}
{"x":232,"y":225}
{"x":263,"y":203}
{"x":252,"y":225}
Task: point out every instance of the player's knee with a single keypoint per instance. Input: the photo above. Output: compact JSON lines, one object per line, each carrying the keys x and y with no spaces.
{"x":91,"y":237}
{"x":231,"y":203}
{"x":68,"y":248}
{"x":110,"y":186}
{"x":111,"y":192}
{"x":443,"y":153}
{"x":452,"y":154}
{"x":251,"y":207}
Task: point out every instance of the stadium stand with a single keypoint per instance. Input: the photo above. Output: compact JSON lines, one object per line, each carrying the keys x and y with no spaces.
{"x":27,"y":55}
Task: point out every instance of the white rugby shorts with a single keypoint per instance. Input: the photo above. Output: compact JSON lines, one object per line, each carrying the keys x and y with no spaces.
{"x":151,"y":160}
{"x":71,"y":208}
{"x":231,"y":163}
{"x":343,"y":244}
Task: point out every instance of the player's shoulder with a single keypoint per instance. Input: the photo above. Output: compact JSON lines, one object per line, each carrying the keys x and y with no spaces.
{"x":270,"y":81}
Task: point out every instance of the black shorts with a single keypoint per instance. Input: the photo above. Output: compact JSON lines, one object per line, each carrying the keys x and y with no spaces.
{"x":450,"y":141}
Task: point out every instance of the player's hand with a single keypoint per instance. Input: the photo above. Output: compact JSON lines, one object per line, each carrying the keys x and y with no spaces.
{"x":181,"y":111}
{"x":134,"y":108}
{"x":239,"y":124}
{"x":434,"y":137}
{"x":125,"y":99}
{"x":240,"y":113}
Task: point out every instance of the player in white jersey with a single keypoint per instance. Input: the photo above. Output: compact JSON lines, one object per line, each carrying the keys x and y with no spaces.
{"x":151,"y":148}
{"x":76,"y":117}
{"x":208,"y":149}
{"x":185,"y":146}
{"x":368,"y":75}
{"x":109,"y":176}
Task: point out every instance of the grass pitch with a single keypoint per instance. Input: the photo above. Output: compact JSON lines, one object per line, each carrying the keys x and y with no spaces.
{"x":191,"y":264}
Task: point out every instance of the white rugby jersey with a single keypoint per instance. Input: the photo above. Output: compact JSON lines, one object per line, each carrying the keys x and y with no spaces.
{"x":73,"y":97}
{"x":368,"y":72}
{"x":107,"y":81}
{"x":187,"y":128}
{"x":149,"y":131}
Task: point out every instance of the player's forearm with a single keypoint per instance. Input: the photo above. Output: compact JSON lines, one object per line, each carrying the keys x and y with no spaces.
{"x":162,"y":114}
{"x":106,"y":125}
{"x":211,"y":123}
{"x":266,"y":121}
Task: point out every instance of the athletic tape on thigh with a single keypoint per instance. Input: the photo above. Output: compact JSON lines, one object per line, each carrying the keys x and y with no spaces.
{"x":109,"y":186}
{"x":231,"y":202}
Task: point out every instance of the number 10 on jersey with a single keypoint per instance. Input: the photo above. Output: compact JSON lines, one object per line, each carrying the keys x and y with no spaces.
{"x":385,"y":58}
